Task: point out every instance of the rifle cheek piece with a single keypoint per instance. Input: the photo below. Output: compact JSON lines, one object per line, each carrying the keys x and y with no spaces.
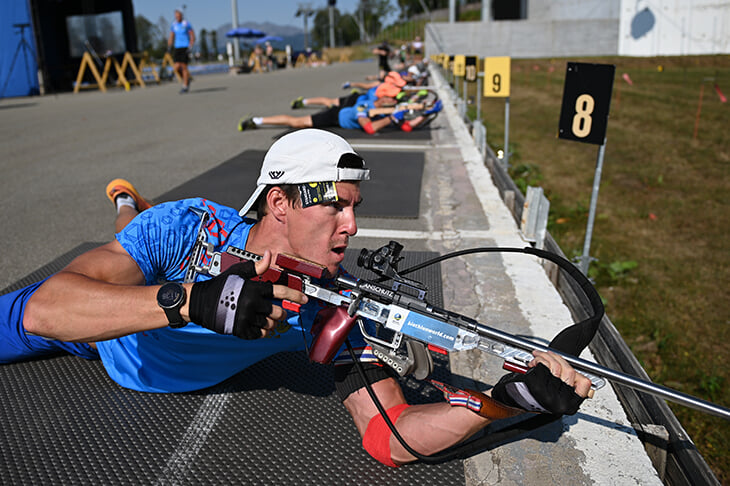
{"x":330,"y":329}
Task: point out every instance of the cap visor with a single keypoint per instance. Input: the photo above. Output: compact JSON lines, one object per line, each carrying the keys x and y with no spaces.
{"x":251,"y":201}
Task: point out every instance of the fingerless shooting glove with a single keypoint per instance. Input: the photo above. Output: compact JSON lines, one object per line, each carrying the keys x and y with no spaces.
{"x":538,"y":390}
{"x":438,"y":106}
{"x":398,"y":116}
{"x":231,"y":303}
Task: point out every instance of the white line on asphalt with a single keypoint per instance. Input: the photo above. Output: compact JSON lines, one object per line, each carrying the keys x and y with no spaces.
{"x":426,"y":235}
{"x":178,"y":465}
{"x":388,"y":146}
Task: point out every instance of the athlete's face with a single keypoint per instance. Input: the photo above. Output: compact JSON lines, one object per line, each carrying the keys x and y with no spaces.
{"x":320,"y":233}
{"x":178,"y":16}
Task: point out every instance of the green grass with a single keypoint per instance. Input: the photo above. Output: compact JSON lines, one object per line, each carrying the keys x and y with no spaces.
{"x":663,"y":214}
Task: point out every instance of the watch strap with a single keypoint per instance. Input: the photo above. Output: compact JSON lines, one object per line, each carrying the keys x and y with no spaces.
{"x":174,"y":317}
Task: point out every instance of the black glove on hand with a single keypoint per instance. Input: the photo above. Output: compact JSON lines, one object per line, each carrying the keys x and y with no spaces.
{"x":538,"y":390}
{"x":231,"y":304}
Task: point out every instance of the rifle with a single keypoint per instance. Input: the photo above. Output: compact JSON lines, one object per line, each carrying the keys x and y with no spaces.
{"x":389,"y":110}
{"x":416,"y":326}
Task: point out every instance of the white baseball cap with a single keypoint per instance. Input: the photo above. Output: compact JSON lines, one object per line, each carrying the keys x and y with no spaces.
{"x":305,"y":156}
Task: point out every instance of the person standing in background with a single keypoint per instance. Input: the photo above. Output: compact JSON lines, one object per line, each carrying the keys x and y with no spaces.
{"x":417,"y":50}
{"x":181,"y":41}
{"x":270,"y":58}
{"x":383,"y":52}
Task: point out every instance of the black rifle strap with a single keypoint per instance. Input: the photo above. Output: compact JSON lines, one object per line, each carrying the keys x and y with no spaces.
{"x":571,"y":340}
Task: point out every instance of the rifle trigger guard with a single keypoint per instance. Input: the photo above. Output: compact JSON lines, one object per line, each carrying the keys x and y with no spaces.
{"x":422,"y":361}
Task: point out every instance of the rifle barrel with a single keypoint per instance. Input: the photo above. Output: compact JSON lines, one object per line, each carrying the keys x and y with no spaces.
{"x":610,"y":374}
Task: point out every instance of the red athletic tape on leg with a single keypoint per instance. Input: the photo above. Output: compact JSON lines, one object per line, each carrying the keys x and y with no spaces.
{"x":368,"y":127}
{"x":376,"y":440}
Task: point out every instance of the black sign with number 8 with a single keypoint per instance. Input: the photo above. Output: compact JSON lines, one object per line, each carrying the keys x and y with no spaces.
{"x":586,"y":102}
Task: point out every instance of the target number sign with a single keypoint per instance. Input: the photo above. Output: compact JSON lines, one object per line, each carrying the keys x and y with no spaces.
{"x":586,"y":102}
{"x":459,"y":65}
{"x":497,"y":77}
{"x":471,"y":68}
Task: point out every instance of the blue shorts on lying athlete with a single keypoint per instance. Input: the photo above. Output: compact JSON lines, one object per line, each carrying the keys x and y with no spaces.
{"x":16,"y":345}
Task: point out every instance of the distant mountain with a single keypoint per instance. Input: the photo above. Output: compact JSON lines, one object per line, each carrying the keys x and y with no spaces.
{"x":273,"y":29}
{"x":293,"y":36}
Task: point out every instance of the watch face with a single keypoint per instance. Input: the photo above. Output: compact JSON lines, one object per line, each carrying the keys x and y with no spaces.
{"x":169,"y":295}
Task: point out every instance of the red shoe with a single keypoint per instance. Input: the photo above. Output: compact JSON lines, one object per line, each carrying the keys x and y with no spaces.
{"x":121,"y":186}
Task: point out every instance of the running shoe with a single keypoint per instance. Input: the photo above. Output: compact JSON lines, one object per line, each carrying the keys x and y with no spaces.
{"x":121,"y":186}
{"x":297,"y":103}
{"x":246,"y":123}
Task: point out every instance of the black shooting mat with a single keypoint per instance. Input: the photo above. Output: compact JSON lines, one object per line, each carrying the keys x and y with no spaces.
{"x":63,"y":421}
{"x":394,"y":190}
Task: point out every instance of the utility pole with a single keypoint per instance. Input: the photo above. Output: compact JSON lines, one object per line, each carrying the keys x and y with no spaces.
{"x":305,"y":10}
{"x":331,"y":4}
{"x":234,"y":23}
{"x":363,"y":33}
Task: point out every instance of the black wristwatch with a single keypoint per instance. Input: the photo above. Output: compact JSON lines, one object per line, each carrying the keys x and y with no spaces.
{"x":171,"y":298}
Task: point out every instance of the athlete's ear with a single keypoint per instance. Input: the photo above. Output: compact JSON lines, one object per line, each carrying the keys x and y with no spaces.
{"x":278,"y":203}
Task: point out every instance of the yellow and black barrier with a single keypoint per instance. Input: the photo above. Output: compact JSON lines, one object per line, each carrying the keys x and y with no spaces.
{"x":128,"y":63}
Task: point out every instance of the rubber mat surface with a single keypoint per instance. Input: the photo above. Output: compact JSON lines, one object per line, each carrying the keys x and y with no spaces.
{"x":393,"y":191}
{"x":63,"y":421}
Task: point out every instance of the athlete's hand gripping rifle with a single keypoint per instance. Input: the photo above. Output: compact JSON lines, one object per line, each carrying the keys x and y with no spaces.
{"x":416,"y":325}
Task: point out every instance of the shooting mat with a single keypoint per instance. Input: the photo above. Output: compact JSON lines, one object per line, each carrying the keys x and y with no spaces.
{"x":394,"y":190}
{"x":63,"y":421}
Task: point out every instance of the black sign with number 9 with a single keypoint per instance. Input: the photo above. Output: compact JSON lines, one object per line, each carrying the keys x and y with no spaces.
{"x":586,"y":102}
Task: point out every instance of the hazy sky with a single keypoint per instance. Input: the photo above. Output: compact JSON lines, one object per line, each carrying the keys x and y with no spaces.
{"x":211,"y":14}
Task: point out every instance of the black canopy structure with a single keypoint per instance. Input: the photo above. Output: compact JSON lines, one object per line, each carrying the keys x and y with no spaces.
{"x":56,"y":35}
